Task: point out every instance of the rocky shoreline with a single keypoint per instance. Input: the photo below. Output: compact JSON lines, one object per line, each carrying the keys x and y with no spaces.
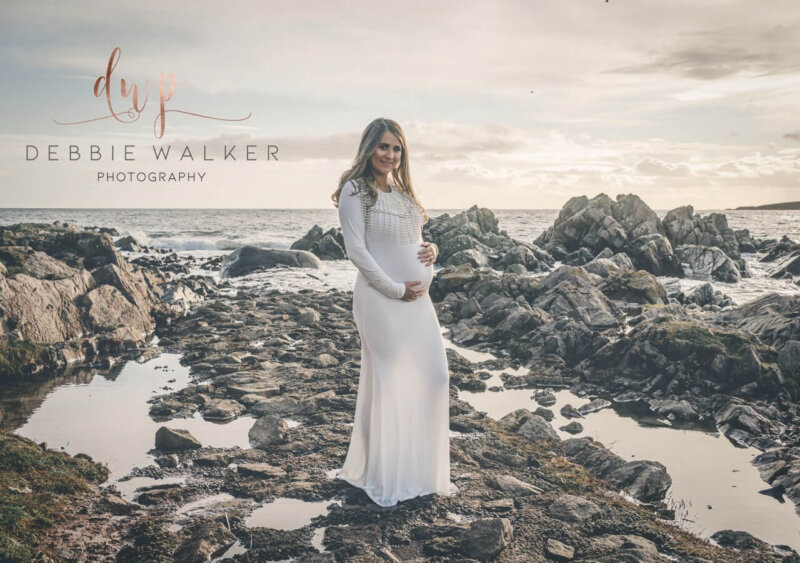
{"x":600,"y":324}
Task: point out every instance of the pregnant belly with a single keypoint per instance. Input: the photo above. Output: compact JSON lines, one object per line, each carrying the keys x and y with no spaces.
{"x":401,"y":263}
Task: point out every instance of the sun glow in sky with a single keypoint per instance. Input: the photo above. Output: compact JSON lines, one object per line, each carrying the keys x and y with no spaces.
{"x":507,"y":104}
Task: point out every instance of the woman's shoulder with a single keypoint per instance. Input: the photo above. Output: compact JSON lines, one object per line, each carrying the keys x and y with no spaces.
{"x":354,"y":187}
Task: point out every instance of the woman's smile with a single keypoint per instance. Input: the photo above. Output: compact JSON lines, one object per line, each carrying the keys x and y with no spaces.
{"x":387,"y":154}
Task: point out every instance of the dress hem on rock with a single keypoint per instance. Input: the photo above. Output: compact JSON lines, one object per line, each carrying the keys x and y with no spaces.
{"x":405,"y":496}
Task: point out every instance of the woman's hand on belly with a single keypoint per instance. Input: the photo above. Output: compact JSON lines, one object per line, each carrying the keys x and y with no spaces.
{"x":414,"y":289}
{"x":428,"y":253}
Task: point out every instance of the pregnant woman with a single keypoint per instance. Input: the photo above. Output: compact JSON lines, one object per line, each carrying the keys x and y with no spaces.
{"x":400,"y":445}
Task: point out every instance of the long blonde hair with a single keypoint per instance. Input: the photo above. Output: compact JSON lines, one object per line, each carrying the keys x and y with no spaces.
{"x":362,"y":169}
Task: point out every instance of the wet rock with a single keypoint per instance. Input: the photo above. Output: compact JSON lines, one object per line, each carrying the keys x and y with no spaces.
{"x":210,"y":540}
{"x":107,"y":309}
{"x":472,"y":237}
{"x":481,"y":539}
{"x":268,"y":431}
{"x":537,"y":429}
{"x":486,"y":538}
{"x":500,"y":505}
{"x":594,"y":405}
{"x":174,"y":439}
{"x":558,"y":551}
{"x":128,"y":243}
{"x":669,"y":354}
{"x":545,"y":398}
{"x":645,"y":480}
{"x":261,"y":470}
{"x":568,"y":411}
{"x":568,"y":291}
{"x":604,"y":266}
{"x":683,"y":227}
{"x":328,"y":245}
{"x":180,"y":296}
{"x":571,"y":508}
{"x":777,"y":249}
{"x":785,"y":266}
{"x":708,"y":262}
{"x":256,"y":388}
{"x":625,"y":547}
{"x":706,"y":295}
{"x":654,"y":253}
{"x":634,"y":287}
{"x":160,"y":494}
{"x":249,"y":259}
{"x":573,"y":427}
{"x":578,"y":258}
{"x":772,"y":317}
{"x":280,"y":406}
{"x":223,"y":409}
{"x":166,"y":408}
{"x":599,"y":223}
{"x":736,"y":539}
{"x":453,"y":278}
{"x":513,"y":486}
{"x":219,"y":459}
{"x":675,"y":410}
{"x":325,"y":361}
{"x":308,"y":317}
{"x":117,"y":505}
{"x":737,"y":420}
{"x":167,"y":461}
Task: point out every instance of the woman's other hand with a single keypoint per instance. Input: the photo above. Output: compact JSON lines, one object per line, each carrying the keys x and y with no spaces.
{"x":413,"y":290}
{"x":429,"y":253}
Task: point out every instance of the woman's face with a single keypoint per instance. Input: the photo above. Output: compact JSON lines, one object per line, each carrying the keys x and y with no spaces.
{"x":387,"y":154}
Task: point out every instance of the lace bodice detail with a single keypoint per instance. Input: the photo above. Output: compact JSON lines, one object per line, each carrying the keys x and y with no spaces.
{"x":394,"y":218}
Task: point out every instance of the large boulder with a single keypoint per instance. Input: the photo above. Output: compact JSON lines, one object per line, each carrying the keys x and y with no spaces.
{"x":175,"y":440}
{"x":775,"y":319}
{"x":778,"y":249}
{"x":267,"y":431}
{"x":107,"y":310}
{"x":45,"y":311}
{"x":569,"y":291}
{"x":678,"y":356}
{"x":599,"y":223}
{"x":646,"y":481}
{"x":683,"y":227}
{"x":65,"y":285}
{"x":472,"y":237}
{"x":634,"y":287}
{"x":327,"y":245}
{"x":653,"y":253}
{"x":77,"y":247}
{"x":787,"y":265}
{"x":249,"y":259}
{"x":708,"y":262}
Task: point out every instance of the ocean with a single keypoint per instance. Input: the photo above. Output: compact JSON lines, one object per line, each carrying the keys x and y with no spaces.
{"x":203,"y":233}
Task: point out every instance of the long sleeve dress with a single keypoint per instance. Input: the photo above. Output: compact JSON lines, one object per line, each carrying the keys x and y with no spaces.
{"x":400,"y":444}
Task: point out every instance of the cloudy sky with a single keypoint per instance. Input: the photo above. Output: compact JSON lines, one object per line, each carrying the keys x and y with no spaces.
{"x":507,"y":104}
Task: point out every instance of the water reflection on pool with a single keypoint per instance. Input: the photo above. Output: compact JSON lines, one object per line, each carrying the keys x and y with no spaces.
{"x":108,"y":418}
{"x":714,"y":484}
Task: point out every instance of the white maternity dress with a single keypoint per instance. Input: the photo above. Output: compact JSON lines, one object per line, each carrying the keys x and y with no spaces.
{"x":400,"y":444}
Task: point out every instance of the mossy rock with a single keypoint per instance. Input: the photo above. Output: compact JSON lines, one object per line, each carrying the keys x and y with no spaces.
{"x":37,"y":489}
